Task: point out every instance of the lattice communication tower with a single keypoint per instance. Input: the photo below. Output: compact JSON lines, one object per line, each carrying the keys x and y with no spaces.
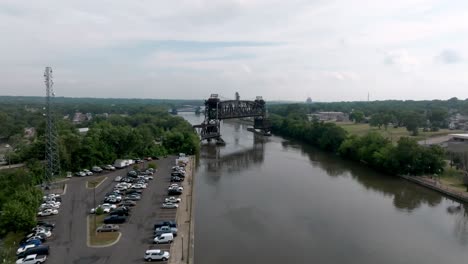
{"x":52,"y":153}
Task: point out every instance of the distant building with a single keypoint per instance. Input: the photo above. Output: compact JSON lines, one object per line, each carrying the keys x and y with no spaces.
{"x":329,"y":116}
{"x":83,"y":130}
{"x":458,"y":121}
{"x":80,"y":117}
{"x":309,"y":100}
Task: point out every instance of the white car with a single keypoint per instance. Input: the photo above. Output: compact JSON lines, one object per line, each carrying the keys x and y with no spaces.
{"x":156,"y":254}
{"x":109,"y":167}
{"x":118,"y":178}
{"x":48,"y":206}
{"x":24,"y":248}
{"x":49,"y":196}
{"x":180,"y":189}
{"x":47,"y":212}
{"x":139,"y":186}
{"x":45,"y":232}
{"x":32,"y":259}
{"x":105,"y":207}
{"x":172,"y":199}
{"x":80,"y":174}
{"x":88,"y":172}
{"x":170,"y":205}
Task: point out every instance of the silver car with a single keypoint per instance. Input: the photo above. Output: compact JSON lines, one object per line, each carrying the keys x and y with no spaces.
{"x":169,"y":205}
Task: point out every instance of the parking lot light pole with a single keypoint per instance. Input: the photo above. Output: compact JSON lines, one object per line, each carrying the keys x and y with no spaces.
{"x":94,"y":204}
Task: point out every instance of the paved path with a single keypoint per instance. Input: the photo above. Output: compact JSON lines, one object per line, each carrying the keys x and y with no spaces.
{"x":182,"y":247}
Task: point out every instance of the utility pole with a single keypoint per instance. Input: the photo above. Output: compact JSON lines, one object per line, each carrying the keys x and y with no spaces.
{"x":52,"y":153}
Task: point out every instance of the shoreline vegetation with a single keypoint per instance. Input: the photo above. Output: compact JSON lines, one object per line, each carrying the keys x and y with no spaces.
{"x":405,"y":157}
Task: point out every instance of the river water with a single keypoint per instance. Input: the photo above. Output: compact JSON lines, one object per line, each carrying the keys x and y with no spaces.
{"x":270,"y":200}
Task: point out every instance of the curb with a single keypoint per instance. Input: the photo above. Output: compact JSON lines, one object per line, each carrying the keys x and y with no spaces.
{"x":95,"y":187}
{"x":88,"y":242}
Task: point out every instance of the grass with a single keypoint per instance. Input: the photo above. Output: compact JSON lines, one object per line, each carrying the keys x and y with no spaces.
{"x":100,"y":238}
{"x":9,"y":247}
{"x":453,"y":178}
{"x":394,"y":134}
{"x":95,"y":182}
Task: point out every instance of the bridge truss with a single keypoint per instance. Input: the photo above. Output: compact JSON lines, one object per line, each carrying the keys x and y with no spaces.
{"x":217,"y":110}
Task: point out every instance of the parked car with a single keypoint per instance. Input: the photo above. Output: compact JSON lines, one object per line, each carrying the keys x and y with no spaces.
{"x":48,"y":206}
{"x":178,"y":173}
{"x":148,"y":158}
{"x":133,"y":197}
{"x":169,"y":205}
{"x":174,"y":192}
{"x":176,"y":179}
{"x":47,"y":212}
{"x":80,"y":174}
{"x":46,"y":224}
{"x":139,"y":186}
{"x":106,"y":208}
{"x":164,"y":238}
{"x":23,"y":248}
{"x":108,"y":228}
{"x":111,"y":200}
{"x":118,"y":178}
{"x":165,"y":229}
{"x":32,"y":259}
{"x":39,"y":250}
{"x":42,"y":231}
{"x":129,"y":203}
{"x":96,"y":169}
{"x":178,"y":188}
{"x":156,"y":254}
{"x":115,"y":219}
{"x":108,"y":167}
{"x":165,"y":223}
{"x":119,"y":212}
{"x":172,"y":199}
{"x":133,"y":191}
{"x":87,"y":172}
{"x":132,"y":173}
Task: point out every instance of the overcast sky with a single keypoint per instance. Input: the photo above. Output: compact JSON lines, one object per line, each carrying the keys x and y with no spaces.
{"x":330,"y":50}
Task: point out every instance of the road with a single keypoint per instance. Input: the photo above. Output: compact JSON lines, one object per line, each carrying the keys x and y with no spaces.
{"x":69,"y":242}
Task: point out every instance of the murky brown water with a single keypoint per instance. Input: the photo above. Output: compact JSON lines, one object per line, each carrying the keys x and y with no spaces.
{"x":267,"y":200}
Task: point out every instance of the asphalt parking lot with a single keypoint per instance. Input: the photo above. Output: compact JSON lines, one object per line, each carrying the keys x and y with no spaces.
{"x":69,"y":241}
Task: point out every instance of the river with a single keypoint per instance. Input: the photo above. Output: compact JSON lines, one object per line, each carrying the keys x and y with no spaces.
{"x":269,"y":200}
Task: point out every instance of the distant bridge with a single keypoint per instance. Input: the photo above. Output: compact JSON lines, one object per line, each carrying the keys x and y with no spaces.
{"x":217,"y":110}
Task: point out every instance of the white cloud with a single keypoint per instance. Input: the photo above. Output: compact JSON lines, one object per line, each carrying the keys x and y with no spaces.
{"x":323,"y":47}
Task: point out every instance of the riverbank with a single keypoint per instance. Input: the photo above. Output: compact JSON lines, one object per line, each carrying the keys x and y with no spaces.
{"x":436,"y":185}
{"x":182,"y":249}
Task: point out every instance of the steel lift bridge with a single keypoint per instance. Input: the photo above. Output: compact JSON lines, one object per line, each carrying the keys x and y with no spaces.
{"x":217,"y":110}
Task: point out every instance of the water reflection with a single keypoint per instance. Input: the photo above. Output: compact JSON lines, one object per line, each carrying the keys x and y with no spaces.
{"x":407,"y":196}
{"x":461,"y":221}
{"x":235,"y":161}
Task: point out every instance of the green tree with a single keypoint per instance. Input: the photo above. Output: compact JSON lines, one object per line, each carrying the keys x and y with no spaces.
{"x":357,"y":116}
{"x":16,"y":217}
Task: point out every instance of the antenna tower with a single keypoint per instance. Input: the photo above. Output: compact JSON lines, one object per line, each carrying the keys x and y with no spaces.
{"x":52,"y":154}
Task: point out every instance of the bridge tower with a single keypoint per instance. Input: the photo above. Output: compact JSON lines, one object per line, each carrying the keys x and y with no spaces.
{"x":217,"y":110}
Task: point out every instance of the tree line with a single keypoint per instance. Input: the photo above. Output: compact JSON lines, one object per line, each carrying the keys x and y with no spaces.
{"x":429,"y":115}
{"x":406,"y":157}
{"x":146,"y":134}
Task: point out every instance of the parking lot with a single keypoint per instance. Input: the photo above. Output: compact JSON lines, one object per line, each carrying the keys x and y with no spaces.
{"x":69,"y":241}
